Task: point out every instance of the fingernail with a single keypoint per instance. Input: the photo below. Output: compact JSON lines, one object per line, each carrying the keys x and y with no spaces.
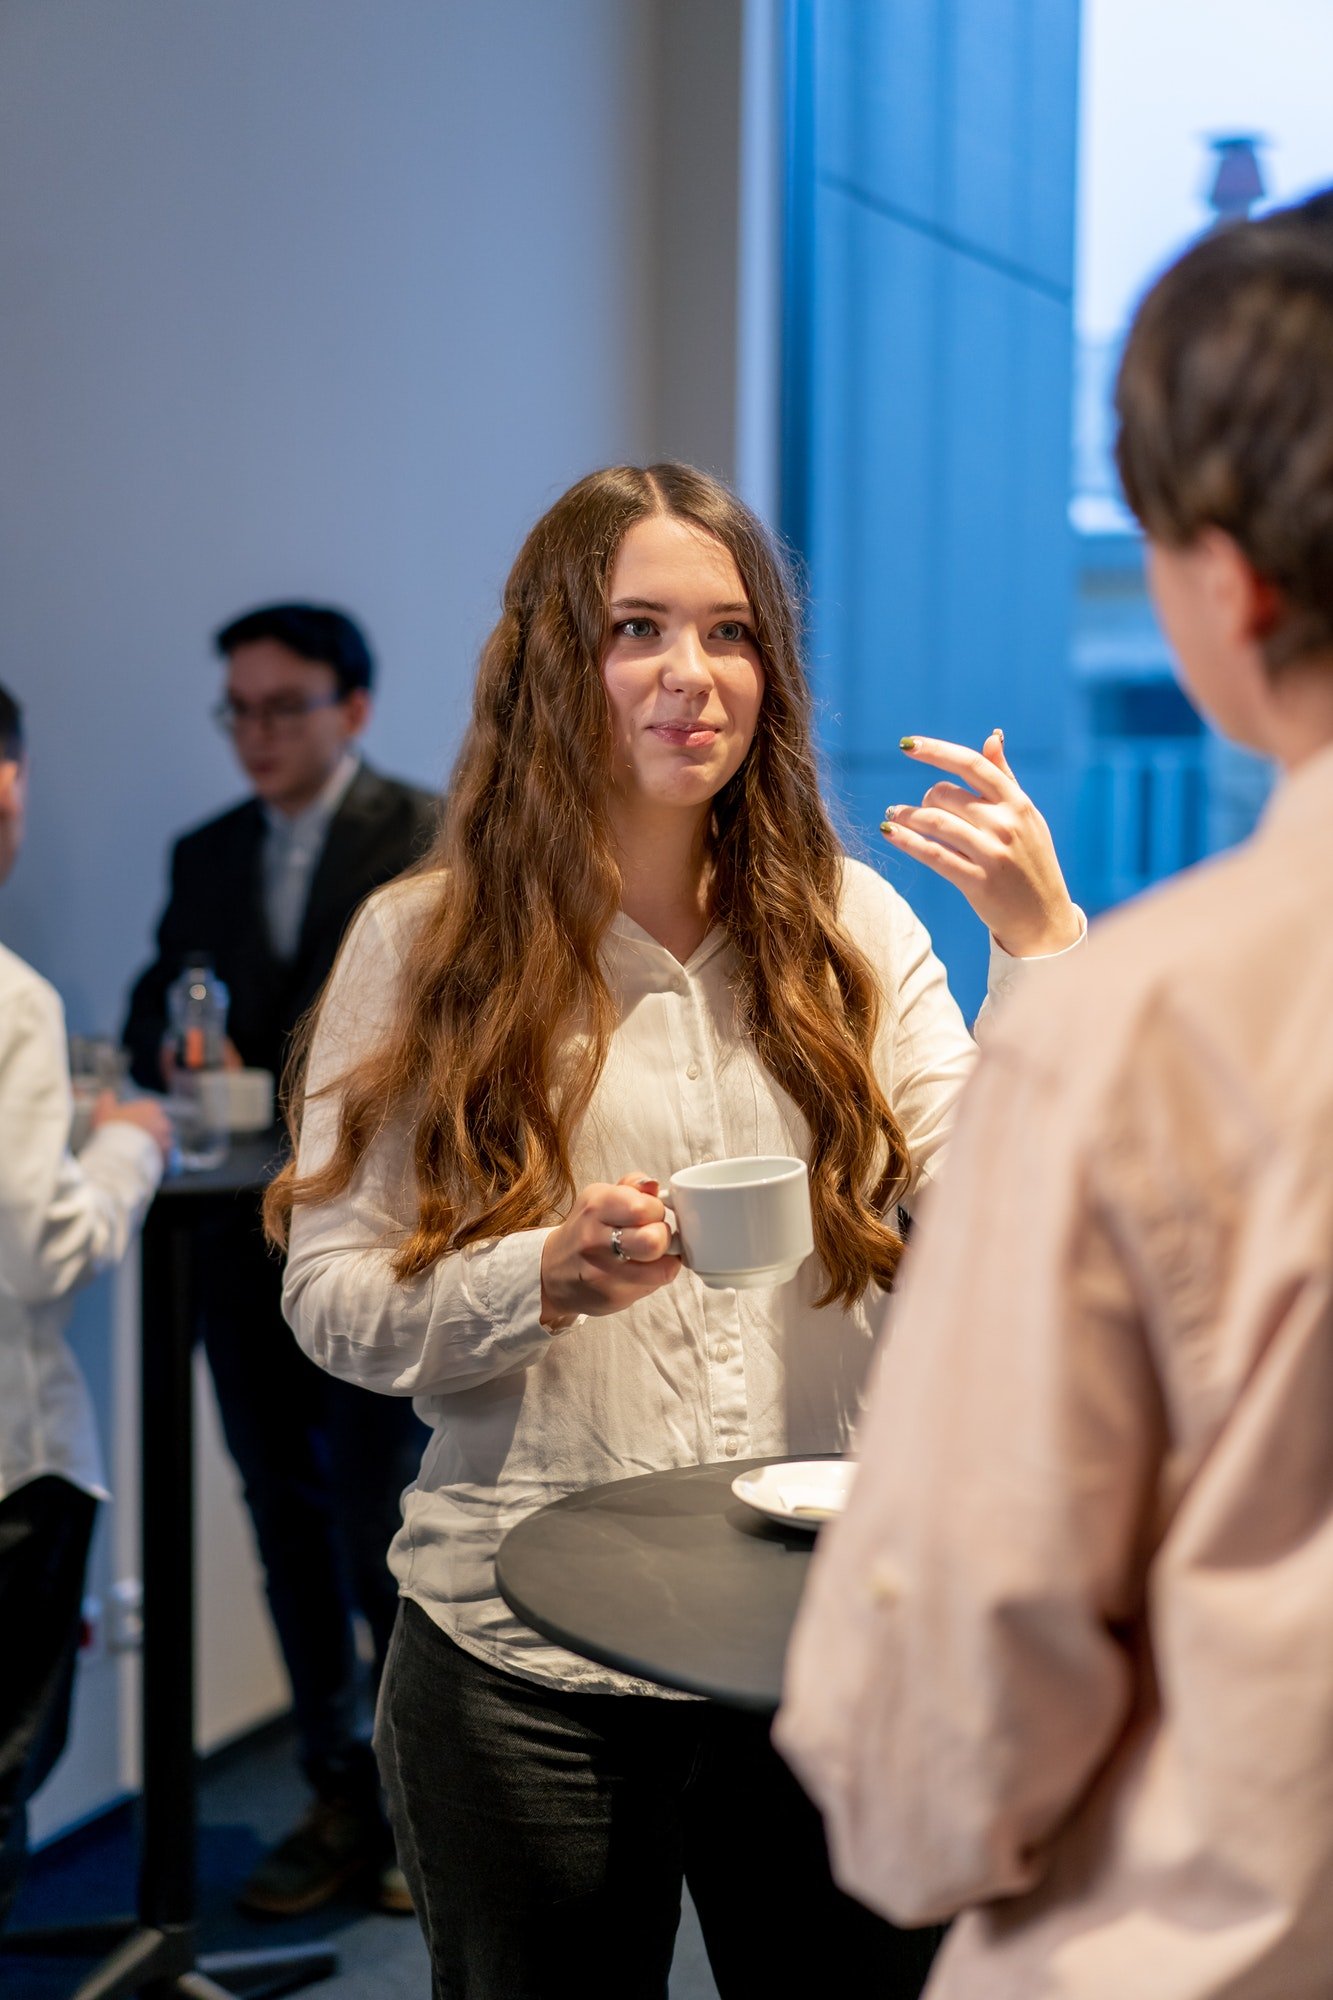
{"x":997,"y":731}
{"x":907,"y":743}
{"x":889,"y":812}
{"x":886,"y":826}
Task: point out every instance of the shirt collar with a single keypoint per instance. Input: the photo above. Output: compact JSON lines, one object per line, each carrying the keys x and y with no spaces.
{"x":630,"y":933}
{"x":315,"y":818}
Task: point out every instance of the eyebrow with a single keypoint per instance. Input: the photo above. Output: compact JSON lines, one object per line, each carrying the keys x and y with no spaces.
{"x":647,"y":604}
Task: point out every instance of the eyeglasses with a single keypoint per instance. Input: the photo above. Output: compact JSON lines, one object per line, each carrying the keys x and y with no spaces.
{"x":283,"y":714}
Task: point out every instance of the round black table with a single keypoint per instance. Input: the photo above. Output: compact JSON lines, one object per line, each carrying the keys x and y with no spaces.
{"x":666,"y":1576}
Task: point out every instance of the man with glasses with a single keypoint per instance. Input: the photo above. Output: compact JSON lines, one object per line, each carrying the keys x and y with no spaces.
{"x":266,"y":891}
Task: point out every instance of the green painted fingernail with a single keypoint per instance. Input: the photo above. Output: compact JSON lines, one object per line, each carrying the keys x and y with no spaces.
{"x":887,"y":826}
{"x":907,"y":743}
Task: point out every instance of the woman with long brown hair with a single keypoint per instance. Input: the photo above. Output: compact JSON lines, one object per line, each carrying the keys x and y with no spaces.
{"x":637,"y":944}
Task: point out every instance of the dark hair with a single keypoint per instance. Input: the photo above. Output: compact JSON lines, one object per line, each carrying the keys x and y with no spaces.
{"x":1225,"y":401}
{"x":11,"y":728}
{"x":315,"y":631}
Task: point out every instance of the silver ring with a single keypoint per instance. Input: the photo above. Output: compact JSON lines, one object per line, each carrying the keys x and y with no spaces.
{"x":617,"y":1249}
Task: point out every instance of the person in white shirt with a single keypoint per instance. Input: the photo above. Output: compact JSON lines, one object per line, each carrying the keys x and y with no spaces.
{"x":637,"y":944}
{"x":62,"y":1219}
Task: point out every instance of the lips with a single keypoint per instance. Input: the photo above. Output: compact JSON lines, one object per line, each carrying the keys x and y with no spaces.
{"x":684,"y":735}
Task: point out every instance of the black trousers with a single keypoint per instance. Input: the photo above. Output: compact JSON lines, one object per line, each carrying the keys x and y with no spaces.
{"x":546,"y":1837}
{"x":323,"y":1465}
{"x":45,"y":1529}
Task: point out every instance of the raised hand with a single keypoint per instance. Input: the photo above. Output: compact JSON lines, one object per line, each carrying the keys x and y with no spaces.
{"x":581,"y":1270}
{"x":991,"y":843}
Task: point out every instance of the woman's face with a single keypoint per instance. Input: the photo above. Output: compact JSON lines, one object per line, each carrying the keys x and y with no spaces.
{"x":681,"y":669}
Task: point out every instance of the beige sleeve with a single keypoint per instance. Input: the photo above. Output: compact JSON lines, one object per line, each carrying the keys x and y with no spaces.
{"x":929,"y":1054}
{"x":956,"y":1676}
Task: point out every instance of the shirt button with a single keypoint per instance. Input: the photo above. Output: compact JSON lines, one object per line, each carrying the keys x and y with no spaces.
{"x":722,"y":1352}
{"x":692,"y":1072}
{"x":731,"y":1447}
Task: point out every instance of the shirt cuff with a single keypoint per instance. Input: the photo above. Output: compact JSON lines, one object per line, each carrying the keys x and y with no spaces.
{"x":514,"y":1291}
{"x":118,"y":1139}
{"x":1005,"y":972}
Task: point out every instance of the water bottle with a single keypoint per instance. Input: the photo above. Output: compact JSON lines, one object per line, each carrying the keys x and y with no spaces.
{"x":197,"y":1013}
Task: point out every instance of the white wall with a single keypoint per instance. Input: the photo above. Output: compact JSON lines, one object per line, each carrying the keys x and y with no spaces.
{"x":325,"y":298}
{"x":300,"y":296}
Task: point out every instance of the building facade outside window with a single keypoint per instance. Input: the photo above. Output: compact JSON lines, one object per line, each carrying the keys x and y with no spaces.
{"x":977,"y":193}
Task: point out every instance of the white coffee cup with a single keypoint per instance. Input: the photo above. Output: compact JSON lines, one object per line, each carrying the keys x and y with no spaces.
{"x":239,"y":1099}
{"x":743,"y":1223}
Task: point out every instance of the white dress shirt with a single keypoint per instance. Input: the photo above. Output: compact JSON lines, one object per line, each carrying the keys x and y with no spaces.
{"x":1066,"y":1662}
{"x":62,"y":1220}
{"x":685,"y":1376}
{"x":293,"y":843}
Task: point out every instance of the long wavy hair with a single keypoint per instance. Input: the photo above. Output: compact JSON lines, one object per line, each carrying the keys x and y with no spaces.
{"x":504,"y":1015}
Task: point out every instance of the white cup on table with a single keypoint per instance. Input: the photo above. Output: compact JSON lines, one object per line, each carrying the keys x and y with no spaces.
{"x":239,"y":1100}
{"x":743,"y":1223}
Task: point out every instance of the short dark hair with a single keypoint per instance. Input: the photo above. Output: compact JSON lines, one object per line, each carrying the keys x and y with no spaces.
{"x":316,"y":631}
{"x":11,"y":728}
{"x":1225,"y":401}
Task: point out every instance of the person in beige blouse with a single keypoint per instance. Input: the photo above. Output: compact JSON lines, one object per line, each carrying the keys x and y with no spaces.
{"x":1066,"y":1663}
{"x":637,"y":944}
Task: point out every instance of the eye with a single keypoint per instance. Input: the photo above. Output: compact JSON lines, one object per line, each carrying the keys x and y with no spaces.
{"x":733,"y":633}
{"x":635,"y":628}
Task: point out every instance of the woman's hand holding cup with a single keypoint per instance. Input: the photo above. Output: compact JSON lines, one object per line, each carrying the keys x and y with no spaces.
{"x":611,"y":1250}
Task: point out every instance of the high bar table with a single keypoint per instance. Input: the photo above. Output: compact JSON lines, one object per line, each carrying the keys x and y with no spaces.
{"x":155,"y":1953}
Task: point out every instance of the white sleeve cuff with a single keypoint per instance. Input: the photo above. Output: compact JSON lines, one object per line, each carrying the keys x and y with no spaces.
{"x":514,"y":1294}
{"x":1005,"y":973}
{"x":126,"y":1144}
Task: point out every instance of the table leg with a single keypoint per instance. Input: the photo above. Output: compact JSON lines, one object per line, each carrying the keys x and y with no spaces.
{"x":158,"y":1958}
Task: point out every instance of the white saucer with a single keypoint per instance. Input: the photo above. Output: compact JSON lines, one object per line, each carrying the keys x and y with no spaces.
{"x":801,"y":1492}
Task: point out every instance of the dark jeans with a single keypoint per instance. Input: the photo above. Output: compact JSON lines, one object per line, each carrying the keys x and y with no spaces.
{"x":546,"y":1837}
{"x":323,"y":1464}
{"x":45,"y":1529}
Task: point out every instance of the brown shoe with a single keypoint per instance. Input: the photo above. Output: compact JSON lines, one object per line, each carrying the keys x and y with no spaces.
{"x":334,"y":1844}
{"x":392,"y":1893}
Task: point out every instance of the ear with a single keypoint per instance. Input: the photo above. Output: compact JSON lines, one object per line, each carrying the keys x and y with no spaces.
{"x":356,"y":711}
{"x":1250,"y":606}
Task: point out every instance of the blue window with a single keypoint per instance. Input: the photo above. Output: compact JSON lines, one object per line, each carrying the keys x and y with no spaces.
{"x":926,"y":429}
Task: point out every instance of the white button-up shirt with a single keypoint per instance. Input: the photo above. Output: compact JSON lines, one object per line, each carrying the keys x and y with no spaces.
{"x":293,"y":844}
{"x":683,"y":1377}
{"x":62,"y":1219}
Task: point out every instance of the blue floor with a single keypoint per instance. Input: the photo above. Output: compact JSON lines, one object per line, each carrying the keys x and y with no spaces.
{"x":249,"y":1796}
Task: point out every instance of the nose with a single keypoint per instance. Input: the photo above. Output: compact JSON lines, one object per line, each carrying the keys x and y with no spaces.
{"x":686,"y":669}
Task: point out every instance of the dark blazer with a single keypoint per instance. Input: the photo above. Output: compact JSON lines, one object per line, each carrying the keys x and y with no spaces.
{"x":216,"y":906}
